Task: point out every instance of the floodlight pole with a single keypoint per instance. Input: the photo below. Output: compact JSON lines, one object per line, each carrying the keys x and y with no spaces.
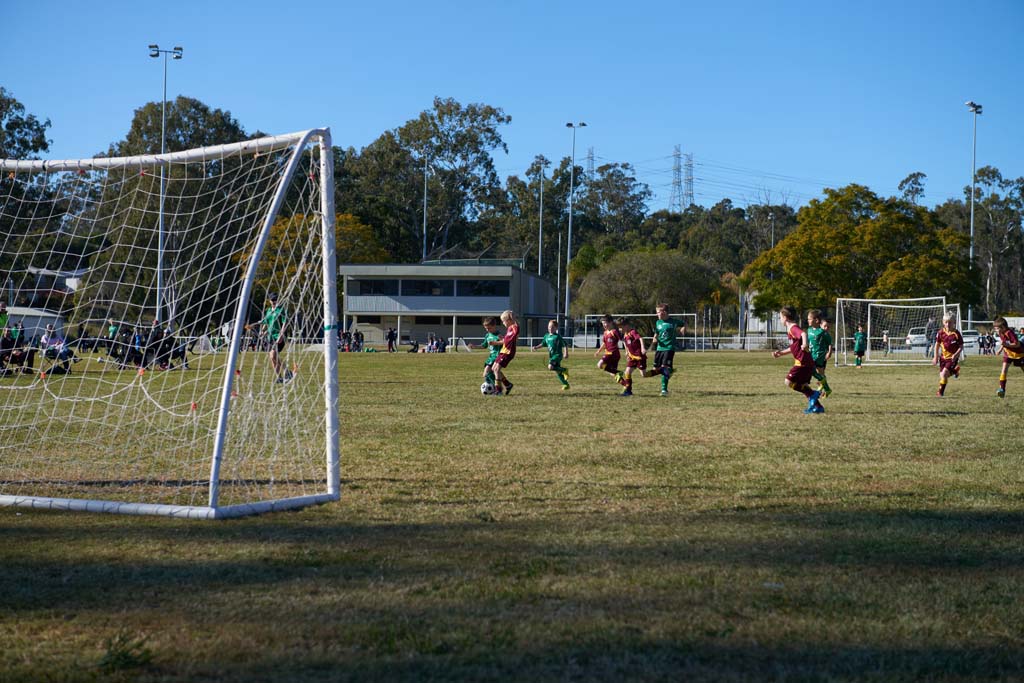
{"x":425,"y":169}
{"x":155,"y":51}
{"x":568,"y":244}
{"x":540,"y":224}
{"x":975,"y":109}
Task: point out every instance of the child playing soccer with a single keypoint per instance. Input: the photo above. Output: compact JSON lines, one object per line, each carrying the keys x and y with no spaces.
{"x":1013,"y":351}
{"x":507,"y":353}
{"x":820,"y":342}
{"x":492,"y":343}
{"x":664,"y":343}
{"x":609,"y":354}
{"x":556,"y":347}
{"x":860,"y":345}
{"x":949,"y":344}
{"x":636,"y":355}
{"x":799,"y":377}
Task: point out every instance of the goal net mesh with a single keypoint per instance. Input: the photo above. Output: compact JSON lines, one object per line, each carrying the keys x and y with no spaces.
{"x":899,"y":331}
{"x":136,"y":372}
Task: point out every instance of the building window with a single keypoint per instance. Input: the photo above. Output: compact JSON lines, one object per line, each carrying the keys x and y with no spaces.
{"x":433,"y":320}
{"x":428,"y":288}
{"x":370,"y":287}
{"x":368,"y":319}
{"x":483,"y":288}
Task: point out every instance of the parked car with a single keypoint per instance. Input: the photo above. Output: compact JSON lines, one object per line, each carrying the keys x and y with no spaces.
{"x":916,"y":337}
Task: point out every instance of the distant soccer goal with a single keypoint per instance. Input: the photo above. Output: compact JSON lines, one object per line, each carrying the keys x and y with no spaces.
{"x":200,"y":286}
{"x":899,"y":331}
{"x":591,"y":336}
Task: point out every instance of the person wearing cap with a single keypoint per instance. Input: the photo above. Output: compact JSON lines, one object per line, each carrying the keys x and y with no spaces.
{"x":273,"y":326}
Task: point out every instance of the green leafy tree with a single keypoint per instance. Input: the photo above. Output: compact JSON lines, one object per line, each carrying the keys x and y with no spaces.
{"x":639,"y":280}
{"x":22,"y":135}
{"x":912,"y":187}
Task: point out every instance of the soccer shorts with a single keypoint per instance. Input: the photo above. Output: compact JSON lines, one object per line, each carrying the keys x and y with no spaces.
{"x":663,"y":359}
{"x":947,"y":364}
{"x":1015,"y":362}
{"x":504,"y":359}
{"x":800,"y":374}
{"x":610,"y":362}
{"x":639,"y":362}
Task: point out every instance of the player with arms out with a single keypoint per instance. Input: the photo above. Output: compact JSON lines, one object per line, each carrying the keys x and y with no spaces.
{"x":664,"y":343}
{"x":507,"y":353}
{"x":273,"y":326}
{"x":609,"y":351}
{"x":1013,"y":351}
{"x":949,"y":344}
{"x":557,"y":349}
{"x":492,"y":344}
{"x":636,"y":355}
{"x":820,"y":342}
{"x":799,"y":376}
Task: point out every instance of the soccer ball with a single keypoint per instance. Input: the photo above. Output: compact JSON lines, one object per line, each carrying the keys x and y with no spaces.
{"x":486,"y":388}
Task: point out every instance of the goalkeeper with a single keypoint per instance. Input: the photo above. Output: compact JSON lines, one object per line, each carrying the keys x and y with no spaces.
{"x":273,"y":326}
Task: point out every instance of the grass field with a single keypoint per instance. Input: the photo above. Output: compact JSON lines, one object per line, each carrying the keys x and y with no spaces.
{"x":717,"y":534}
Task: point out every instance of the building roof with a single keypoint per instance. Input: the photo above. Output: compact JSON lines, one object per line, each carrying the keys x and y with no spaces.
{"x":426,"y":270}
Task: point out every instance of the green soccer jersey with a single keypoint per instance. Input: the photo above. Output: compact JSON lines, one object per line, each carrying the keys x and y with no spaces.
{"x":274,"y":320}
{"x":819,"y":340}
{"x":665,"y":333}
{"x":4,"y":319}
{"x":860,"y":342}
{"x":494,"y":350}
{"x":555,"y":345}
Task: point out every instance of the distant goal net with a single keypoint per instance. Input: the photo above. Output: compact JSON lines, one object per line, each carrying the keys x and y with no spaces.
{"x":171,"y":340}
{"x":898,"y":331}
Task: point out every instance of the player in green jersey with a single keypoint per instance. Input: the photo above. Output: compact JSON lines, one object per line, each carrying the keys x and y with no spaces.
{"x":820,"y":342}
{"x":664,"y":342}
{"x":557,"y":349}
{"x":492,"y":344}
{"x":273,"y":326}
{"x":860,"y":345}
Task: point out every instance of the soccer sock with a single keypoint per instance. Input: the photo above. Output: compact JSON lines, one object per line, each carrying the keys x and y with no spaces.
{"x":489,"y":377}
{"x":857,"y":362}
{"x":561,"y":377}
{"x":627,"y":382}
{"x":824,"y":383}
{"x":505,"y":382}
{"x":942,"y":386}
{"x":1002,"y":380}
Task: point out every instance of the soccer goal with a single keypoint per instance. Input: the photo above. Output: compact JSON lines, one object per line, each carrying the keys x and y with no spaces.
{"x":204,"y":282}
{"x":899,"y":331}
{"x":592,"y":330}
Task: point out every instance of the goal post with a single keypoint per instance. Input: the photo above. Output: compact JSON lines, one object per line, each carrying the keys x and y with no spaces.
{"x":144,"y":261}
{"x":898,"y":331}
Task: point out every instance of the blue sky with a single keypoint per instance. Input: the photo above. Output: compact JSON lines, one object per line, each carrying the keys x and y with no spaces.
{"x":772,"y":99}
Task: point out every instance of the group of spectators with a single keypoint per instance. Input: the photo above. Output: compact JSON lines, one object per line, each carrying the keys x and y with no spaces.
{"x":141,"y":347}
{"x":351,"y":341}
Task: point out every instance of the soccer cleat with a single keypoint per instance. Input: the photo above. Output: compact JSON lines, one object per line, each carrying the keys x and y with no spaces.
{"x":508,"y":389}
{"x":626,"y":393}
{"x":664,"y":392}
{"x":618,"y":377}
{"x":565,"y":387}
{"x":939,"y":394}
{"x":818,"y":408}
{"x":827,"y":392}
{"x":1001,"y":393}
{"x":813,"y":398}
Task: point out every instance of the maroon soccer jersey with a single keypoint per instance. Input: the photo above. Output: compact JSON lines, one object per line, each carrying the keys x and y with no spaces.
{"x":1011,"y":345}
{"x":631,"y":340}
{"x":508,"y":342}
{"x":951,"y":342}
{"x":796,"y":346}
{"x":610,"y":339}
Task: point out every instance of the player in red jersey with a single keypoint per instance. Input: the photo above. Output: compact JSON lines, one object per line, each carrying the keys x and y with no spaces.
{"x":507,"y":353}
{"x":636,"y":355}
{"x":799,"y":376}
{"x":609,"y":351}
{"x":949,"y":344}
{"x":1013,"y":351}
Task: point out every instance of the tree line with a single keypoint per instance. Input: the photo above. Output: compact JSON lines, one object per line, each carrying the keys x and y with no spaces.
{"x":850,"y":241}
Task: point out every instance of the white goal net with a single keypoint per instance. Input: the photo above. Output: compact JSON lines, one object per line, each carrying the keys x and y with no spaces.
{"x":171,"y":335}
{"x":898,"y":331}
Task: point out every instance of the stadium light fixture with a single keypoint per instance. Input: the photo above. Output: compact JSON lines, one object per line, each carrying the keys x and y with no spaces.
{"x":975,"y":109}
{"x":176,"y":52}
{"x":568,"y":247}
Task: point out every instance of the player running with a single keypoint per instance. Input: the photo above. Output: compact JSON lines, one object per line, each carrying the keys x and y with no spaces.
{"x":636,"y":355}
{"x":664,"y":343}
{"x":799,"y":376}
{"x":492,"y":343}
{"x":1013,"y":351}
{"x":820,"y":342}
{"x":609,"y":353}
{"x":949,"y":344}
{"x":507,"y":353}
{"x":557,"y":349}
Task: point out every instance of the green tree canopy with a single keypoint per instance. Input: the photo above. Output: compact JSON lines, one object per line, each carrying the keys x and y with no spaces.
{"x":22,"y":135}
